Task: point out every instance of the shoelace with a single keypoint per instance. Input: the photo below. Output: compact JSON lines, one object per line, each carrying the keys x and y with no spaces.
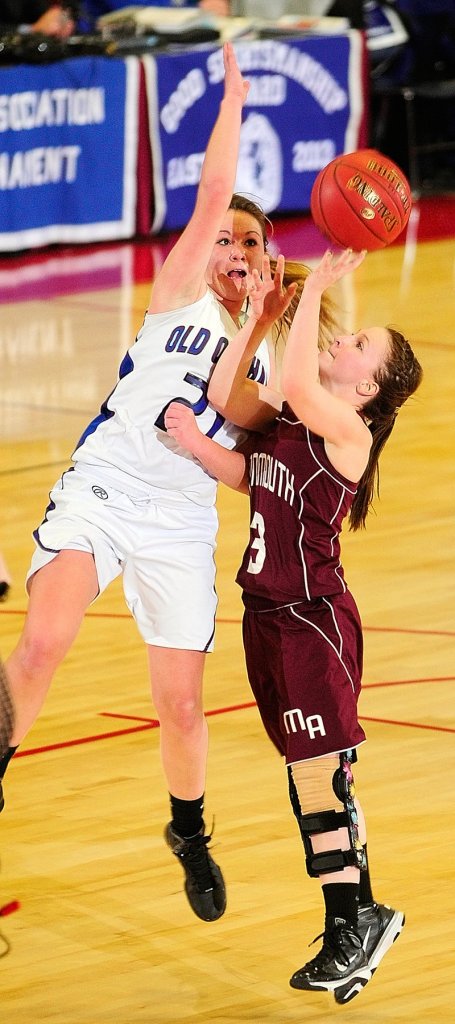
{"x":332,"y":942}
{"x":196,"y":857}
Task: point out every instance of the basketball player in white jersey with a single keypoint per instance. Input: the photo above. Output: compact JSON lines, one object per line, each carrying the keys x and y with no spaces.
{"x":135,"y":503}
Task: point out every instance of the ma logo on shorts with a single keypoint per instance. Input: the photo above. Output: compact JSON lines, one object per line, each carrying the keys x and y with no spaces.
{"x":294,"y":720}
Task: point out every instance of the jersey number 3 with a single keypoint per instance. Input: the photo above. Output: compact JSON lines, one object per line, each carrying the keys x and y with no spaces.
{"x":257,"y":545}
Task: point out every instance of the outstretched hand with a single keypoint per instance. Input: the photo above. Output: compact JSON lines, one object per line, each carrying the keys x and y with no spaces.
{"x":180,"y":423}
{"x":332,"y":268}
{"x":268,"y":297}
{"x":234,"y":83}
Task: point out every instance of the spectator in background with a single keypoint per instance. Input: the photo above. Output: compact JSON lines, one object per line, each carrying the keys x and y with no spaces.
{"x":70,"y":16}
{"x":94,"y":9}
{"x":50,"y":19}
{"x":426,"y":55}
{"x":220,"y":7}
{"x":431,"y":29}
{"x":351,"y":9}
{"x":408,"y":40}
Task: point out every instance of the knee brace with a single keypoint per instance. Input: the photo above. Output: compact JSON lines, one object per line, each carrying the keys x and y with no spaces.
{"x":317,"y":821}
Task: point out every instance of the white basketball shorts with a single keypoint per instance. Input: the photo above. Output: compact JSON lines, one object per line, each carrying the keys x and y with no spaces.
{"x":164,"y":551}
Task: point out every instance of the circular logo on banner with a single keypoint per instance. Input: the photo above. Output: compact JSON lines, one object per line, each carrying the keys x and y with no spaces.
{"x":99,"y":492}
{"x":260,"y":165}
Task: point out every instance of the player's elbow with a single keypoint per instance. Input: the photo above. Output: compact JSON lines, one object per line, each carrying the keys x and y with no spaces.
{"x":290,"y":387}
{"x":217,"y":397}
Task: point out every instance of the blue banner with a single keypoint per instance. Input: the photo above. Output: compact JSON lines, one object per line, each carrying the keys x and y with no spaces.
{"x":305,"y":105}
{"x":68,"y":151}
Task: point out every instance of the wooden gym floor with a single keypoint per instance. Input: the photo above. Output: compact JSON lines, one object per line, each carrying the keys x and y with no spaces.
{"x":104,"y":933}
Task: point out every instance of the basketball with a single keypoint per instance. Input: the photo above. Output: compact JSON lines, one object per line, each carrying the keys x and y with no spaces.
{"x":361,"y":200}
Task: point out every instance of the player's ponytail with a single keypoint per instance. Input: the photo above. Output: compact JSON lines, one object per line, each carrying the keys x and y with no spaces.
{"x":398,"y":379}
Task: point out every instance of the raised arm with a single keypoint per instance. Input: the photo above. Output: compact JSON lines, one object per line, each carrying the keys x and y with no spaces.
{"x":323,"y":411}
{"x":181,"y":280}
{"x":244,"y":401}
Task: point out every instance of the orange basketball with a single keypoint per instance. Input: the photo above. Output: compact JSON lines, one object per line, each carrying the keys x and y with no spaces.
{"x":361,"y":200}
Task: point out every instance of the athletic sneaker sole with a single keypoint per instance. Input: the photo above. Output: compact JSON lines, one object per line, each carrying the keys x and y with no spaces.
{"x":393,"y":930}
{"x":344,"y":993}
{"x":357,"y":981}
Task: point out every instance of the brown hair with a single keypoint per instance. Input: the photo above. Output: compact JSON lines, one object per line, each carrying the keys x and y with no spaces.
{"x":398,"y":378}
{"x":239,"y":202}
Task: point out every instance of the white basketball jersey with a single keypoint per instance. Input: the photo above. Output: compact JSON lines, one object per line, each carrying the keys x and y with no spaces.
{"x":172,"y":358}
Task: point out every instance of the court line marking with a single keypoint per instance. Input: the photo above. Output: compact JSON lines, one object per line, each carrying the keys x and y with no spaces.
{"x":238,"y":622}
{"x":153,"y":723}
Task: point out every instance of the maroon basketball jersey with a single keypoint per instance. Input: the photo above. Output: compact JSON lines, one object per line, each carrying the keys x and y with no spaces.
{"x":298,"y":503}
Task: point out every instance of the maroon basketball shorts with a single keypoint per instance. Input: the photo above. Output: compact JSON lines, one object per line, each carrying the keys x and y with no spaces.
{"x":304,"y":664}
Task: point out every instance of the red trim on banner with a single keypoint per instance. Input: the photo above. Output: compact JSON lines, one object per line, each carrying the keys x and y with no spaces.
{"x":144,"y":162}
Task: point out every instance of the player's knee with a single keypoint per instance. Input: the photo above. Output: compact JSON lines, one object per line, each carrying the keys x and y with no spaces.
{"x":180,"y":712}
{"x":38,"y":655}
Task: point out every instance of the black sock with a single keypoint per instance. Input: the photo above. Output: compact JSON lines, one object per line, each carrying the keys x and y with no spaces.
{"x":5,"y":760}
{"x":365,"y":892}
{"x":341,"y":901}
{"x":187,"y":818}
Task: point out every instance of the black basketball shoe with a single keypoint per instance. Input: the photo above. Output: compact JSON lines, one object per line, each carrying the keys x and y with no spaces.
{"x":341,"y":964}
{"x":378,"y":927}
{"x":204,"y":883}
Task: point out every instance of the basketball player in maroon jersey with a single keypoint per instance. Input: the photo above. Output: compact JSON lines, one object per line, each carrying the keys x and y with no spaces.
{"x":314,"y":464}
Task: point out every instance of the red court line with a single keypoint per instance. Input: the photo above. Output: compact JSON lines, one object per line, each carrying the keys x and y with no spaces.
{"x":399,"y":629}
{"x":410,"y":725}
{"x":88,"y":615}
{"x":237,"y":622}
{"x":152,"y":723}
{"x":408,"y":682}
{"x":233,"y":707}
{"x":371,"y":629}
{"x":130,"y":718}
